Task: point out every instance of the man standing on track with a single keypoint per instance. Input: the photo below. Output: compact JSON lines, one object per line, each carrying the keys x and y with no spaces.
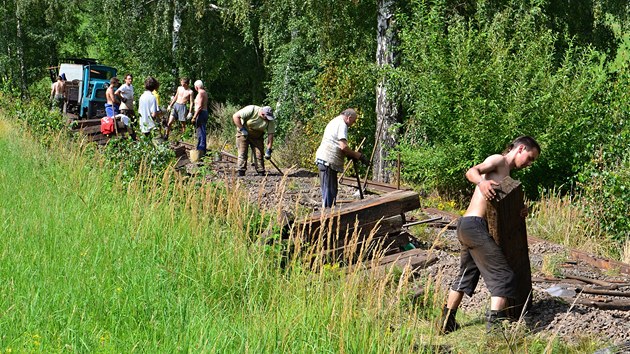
{"x":125,"y":94}
{"x":251,"y":124}
{"x":331,"y":153}
{"x":200,"y":119}
{"x":112,"y":107}
{"x":183,"y":96}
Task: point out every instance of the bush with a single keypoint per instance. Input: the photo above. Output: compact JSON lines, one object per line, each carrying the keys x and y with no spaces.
{"x":128,"y":157}
{"x":472,"y":84}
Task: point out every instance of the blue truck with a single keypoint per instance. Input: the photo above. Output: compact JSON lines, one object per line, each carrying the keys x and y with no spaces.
{"x":86,"y":83}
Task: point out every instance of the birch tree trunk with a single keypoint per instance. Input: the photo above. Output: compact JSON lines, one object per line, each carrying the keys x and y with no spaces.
{"x":177,"y":25}
{"x":20,"y":51}
{"x":387,"y":112}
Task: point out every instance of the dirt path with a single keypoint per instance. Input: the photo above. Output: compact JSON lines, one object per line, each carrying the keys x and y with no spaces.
{"x":548,"y":316}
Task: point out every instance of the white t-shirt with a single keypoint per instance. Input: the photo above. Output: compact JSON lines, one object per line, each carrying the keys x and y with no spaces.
{"x":329,"y":150}
{"x":147,"y":104}
{"x":126,"y":91}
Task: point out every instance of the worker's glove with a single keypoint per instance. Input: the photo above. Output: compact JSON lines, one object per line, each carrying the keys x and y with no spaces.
{"x":123,"y":100}
{"x":364,"y":159}
{"x":189,"y":116}
{"x":244,"y":131}
{"x":268,"y":154}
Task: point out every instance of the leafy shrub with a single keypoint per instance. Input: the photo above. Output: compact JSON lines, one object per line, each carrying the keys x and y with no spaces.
{"x":605,"y":186}
{"x":38,"y":117}
{"x":470,"y":85}
{"x":127,"y":157}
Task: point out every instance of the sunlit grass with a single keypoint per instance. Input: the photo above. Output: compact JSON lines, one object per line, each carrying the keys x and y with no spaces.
{"x":168,"y":264}
{"x":561,"y":219}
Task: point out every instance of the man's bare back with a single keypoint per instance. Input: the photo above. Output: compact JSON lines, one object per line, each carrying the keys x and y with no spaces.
{"x":58,"y":88}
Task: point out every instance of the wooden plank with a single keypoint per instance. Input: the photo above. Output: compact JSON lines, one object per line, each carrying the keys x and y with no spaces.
{"x":589,"y":280}
{"x":557,"y":280}
{"x":603,"y":292}
{"x":379,"y":227}
{"x":603,"y":304}
{"x":601,"y":263}
{"x":83,"y":123}
{"x":340,"y":219}
{"x":508,"y":229}
{"x":371,"y":185}
{"x":416,"y":259}
{"x":96,"y":129}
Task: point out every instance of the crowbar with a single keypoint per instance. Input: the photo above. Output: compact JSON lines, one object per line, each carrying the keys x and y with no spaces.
{"x":356,"y":171}
{"x":276,"y":166}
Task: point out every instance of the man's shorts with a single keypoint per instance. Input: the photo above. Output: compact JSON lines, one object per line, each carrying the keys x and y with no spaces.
{"x":480,"y":255}
{"x":179,"y":111}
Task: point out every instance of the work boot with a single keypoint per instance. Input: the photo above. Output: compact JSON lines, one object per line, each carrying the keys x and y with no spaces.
{"x":447,"y":322}
{"x":261,"y":173}
{"x":240,"y":173}
{"x":494,"y":323}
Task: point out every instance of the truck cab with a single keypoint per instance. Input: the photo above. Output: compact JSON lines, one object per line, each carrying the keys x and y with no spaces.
{"x":86,"y":83}
{"x":95,"y":82}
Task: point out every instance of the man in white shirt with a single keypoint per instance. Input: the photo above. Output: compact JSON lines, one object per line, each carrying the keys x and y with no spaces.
{"x":125,"y":93}
{"x":331,"y":153}
{"x":147,"y":106}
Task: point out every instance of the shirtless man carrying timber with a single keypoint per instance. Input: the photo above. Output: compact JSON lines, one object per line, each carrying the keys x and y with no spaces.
{"x":183,"y":96}
{"x":200,"y":119}
{"x":480,"y":255}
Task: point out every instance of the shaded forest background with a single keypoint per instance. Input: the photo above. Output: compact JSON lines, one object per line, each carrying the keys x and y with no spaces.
{"x":467,"y":77}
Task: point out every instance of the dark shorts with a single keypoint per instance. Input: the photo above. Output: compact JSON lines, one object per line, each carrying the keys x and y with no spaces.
{"x":179,"y":111}
{"x":480,"y":255}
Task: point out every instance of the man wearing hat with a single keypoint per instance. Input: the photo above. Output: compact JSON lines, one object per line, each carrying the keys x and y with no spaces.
{"x":251,"y":124}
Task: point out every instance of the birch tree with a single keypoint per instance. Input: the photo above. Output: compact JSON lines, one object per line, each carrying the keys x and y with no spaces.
{"x":387,"y":110}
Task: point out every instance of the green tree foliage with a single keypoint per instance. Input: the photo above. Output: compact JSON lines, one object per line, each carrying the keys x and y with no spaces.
{"x":473,"y":75}
{"x":473,"y":84}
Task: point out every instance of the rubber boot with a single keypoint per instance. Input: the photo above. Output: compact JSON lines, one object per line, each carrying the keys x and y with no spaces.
{"x":447,"y":322}
{"x":495,"y":320}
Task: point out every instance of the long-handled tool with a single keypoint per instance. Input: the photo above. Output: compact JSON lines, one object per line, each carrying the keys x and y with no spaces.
{"x":376,"y":142}
{"x":347,"y":165}
{"x":276,"y":166}
{"x":356,"y":173}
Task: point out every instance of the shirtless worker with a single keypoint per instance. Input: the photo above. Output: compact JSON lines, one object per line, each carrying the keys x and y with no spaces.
{"x":112,"y":107}
{"x":200,"y":119}
{"x":57,"y":93}
{"x":183,"y":96}
{"x":480,"y":255}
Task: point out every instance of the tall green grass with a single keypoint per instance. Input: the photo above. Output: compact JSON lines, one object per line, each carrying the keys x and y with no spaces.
{"x":91,"y":264}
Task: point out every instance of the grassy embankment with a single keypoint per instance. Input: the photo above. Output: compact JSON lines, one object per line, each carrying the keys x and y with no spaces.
{"x":89,"y":266}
